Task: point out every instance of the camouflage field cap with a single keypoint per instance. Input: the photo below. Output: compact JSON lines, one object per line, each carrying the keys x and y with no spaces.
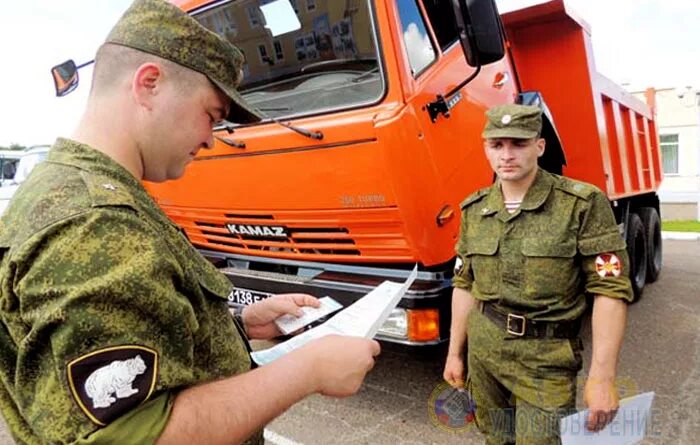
{"x":513,"y":121}
{"x":164,"y":30}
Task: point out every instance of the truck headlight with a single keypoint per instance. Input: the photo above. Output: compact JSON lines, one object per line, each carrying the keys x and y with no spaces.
{"x":396,"y":325}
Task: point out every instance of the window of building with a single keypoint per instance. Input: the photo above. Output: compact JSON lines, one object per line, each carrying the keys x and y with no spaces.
{"x":421,"y":52}
{"x":669,"y":153}
{"x":441,"y":16}
{"x":310,"y":5}
{"x":253,"y":15}
{"x":279,"y":54}
{"x":264,"y":58}
{"x":221,"y":22}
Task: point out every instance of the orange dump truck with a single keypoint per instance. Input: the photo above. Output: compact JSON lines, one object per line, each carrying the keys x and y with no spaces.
{"x":375,"y":110}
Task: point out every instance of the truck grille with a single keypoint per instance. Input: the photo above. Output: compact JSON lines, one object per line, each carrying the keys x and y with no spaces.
{"x":324,"y":240}
{"x":367,"y":235}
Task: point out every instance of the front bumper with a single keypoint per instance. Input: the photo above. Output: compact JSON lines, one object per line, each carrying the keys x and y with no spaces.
{"x":430,"y":294}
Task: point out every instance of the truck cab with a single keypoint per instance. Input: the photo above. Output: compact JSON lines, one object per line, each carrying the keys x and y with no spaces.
{"x":374,"y":186}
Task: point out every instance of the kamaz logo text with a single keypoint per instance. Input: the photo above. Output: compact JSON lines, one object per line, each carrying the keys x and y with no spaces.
{"x":265,"y":231}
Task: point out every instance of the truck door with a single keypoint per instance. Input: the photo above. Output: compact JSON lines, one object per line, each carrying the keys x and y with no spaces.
{"x":436,"y":64}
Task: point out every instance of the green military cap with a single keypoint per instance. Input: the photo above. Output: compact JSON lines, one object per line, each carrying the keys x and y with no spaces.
{"x":164,"y":30}
{"x":513,"y":121}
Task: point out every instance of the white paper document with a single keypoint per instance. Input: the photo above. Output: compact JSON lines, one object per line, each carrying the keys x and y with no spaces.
{"x":289,"y":323}
{"x":627,"y":428}
{"x":363,"y":318}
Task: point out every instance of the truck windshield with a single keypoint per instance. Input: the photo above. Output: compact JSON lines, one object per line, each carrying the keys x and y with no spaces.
{"x":328,"y":62}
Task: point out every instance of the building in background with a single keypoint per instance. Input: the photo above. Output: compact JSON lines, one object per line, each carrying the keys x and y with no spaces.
{"x":678,"y":121}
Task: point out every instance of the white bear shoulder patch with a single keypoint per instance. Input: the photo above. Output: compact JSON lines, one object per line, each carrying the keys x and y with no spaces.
{"x":109,"y":382}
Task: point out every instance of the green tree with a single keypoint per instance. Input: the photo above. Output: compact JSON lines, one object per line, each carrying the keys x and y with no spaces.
{"x":16,"y":146}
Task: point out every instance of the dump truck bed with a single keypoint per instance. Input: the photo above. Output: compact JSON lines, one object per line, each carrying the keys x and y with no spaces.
{"x":609,"y":137}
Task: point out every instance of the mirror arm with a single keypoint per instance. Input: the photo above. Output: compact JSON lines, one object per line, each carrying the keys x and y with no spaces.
{"x":85,"y":64}
{"x":466,"y":81}
{"x":443,"y":104}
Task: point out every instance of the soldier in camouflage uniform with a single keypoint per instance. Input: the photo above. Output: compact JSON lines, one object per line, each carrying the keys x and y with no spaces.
{"x":530,"y":247}
{"x":113,"y":329}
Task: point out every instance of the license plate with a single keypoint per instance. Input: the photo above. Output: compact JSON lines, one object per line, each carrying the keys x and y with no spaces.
{"x":246,"y":297}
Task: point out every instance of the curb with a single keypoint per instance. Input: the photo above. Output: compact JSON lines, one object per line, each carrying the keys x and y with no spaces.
{"x":688,"y":236}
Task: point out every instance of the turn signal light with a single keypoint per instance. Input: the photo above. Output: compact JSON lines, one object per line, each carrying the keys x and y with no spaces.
{"x":423,"y":324}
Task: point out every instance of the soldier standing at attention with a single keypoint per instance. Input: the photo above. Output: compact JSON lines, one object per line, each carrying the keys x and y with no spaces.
{"x":531,"y":246}
{"x":113,"y":328}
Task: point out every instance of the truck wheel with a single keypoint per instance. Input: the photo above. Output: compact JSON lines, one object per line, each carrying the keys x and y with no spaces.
{"x":637,"y":251}
{"x":652,"y":229}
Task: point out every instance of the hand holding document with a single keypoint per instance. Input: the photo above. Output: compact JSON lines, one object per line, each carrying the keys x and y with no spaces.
{"x":627,"y":428}
{"x":363,"y":318}
{"x":289,"y":323}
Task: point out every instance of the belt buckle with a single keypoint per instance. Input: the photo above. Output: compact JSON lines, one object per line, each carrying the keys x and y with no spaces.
{"x":521,"y":319}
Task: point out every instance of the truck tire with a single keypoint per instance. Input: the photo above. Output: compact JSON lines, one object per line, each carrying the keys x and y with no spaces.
{"x":652,"y":229}
{"x":637,"y":251}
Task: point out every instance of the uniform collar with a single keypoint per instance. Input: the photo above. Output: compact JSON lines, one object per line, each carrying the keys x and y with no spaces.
{"x":538,"y":192}
{"x":494,"y":200}
{"x":536,"y":195}
{"x":82,"y":156}
{"x":86,"y":158}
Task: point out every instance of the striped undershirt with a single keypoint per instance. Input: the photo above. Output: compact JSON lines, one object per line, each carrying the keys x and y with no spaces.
{"x":512,"y":206}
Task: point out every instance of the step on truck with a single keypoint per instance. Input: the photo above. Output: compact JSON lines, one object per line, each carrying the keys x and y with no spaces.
{"x":374,"y":111}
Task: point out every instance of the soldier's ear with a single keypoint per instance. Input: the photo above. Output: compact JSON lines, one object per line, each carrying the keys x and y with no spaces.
{"x":146,"y":84}
{"x":541,"y":143}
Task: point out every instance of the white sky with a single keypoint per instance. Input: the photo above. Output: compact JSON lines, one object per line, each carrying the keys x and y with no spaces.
{"x":639,"y":42}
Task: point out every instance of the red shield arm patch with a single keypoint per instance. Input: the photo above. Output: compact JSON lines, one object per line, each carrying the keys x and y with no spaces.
{"x":112,"y":381}
{"x":608,"y":265}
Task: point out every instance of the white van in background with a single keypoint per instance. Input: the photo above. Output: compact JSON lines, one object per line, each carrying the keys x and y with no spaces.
{"x":29,"y":159}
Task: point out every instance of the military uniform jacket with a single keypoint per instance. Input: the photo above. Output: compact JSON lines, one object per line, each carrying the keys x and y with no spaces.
{"x":540,"y":261}
{"x":106,"y":309}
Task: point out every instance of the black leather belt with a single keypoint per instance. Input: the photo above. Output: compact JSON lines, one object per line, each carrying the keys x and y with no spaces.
{"x":518,"y":325}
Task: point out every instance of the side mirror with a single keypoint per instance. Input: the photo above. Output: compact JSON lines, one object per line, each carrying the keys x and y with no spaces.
{"x":480,"y":31}
{"x":65,"y":77}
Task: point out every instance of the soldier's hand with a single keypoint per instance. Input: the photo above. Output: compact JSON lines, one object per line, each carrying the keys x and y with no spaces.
{"x":341,"y":363}
{"x":600,"y":395}
{"x":454,"y":371}
{"x":259,"y":318}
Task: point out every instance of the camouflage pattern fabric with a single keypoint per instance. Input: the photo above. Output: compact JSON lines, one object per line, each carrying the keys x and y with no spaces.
{"x":89,"y":261}
{"x":513,"y":121}
{"x":164,"y":30}
{"x":521,"y":386}
{"x":539,"y":262}
{"x":541,"y":259}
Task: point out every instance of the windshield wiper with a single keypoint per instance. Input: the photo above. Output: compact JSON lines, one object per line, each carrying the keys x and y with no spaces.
{"x":230,"y":142}
{"x":228,"y":126}
{"x":309,"y":134}
{"x":364,"y":75}
{"x":325,"y":64}
{"x":274,"y":109}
